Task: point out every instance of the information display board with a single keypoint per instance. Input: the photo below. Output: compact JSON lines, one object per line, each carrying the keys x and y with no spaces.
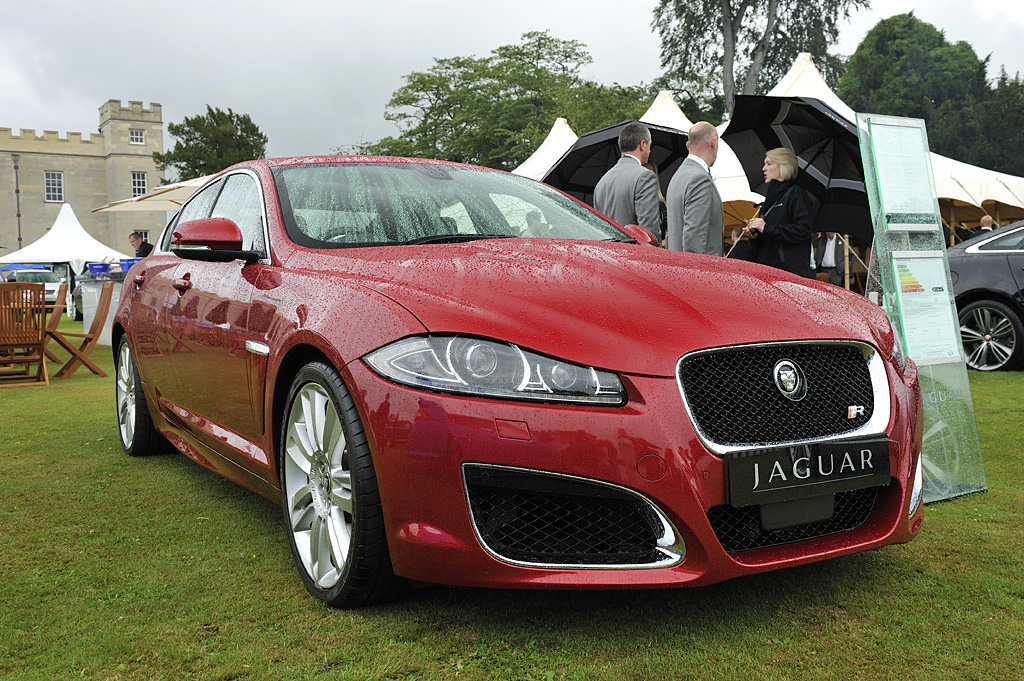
{"x":909,"y":275}
{"x":900,"y":151}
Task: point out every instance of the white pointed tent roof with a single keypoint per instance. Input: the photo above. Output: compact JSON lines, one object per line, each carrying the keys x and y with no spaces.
{"x":665,"y":112}
{"x":804,"y":80}
{"x":66,"y":241}
{"x":559,"y":140}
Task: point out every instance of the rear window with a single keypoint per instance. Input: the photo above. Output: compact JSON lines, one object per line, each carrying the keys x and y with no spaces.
{"x":38,"y":276}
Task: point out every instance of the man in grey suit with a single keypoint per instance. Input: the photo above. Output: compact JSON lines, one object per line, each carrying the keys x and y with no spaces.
{"x":695,"y":219}
{"x":628,"y":192}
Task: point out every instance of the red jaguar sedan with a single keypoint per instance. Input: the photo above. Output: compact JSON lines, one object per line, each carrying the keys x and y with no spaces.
{"x":434,"y":392}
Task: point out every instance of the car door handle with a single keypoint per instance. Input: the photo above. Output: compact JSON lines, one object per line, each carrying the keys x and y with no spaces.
{"x":183,"y":284}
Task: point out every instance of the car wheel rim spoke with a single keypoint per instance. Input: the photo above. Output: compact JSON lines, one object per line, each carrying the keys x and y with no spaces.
{"x":325,"y":570}
{"x":340,"y":535}
{"x":971,"y":335}
{"x":341,"y":490}
{"x":318,"y":485}
{"x":1000,"y":352}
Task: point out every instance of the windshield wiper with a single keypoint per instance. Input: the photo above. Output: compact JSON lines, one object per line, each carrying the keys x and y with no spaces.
{"x":622,"y":240}
{"x":454,"y":238}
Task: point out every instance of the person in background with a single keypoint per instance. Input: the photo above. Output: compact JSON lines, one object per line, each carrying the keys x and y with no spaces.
{"x":740,"y":249}
{"x":141,"y":246}
{"x":535,"y":225}
{"x":628,"y":192}
{"x":781,"y":235}
{"x":695,"y":213}
{"x":987,"y":224}
{"x":829,"y":257}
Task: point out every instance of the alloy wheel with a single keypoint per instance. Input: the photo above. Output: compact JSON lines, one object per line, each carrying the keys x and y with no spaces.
{"x":126,"y":398}
{"x":318,"y":485}
{"x":988,"y":336}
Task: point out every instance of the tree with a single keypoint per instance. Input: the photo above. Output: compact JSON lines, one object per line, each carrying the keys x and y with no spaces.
{"x":1004,"y":123}
{"x":495,"y":111}
{"x":210,"y":143}
{"x":747,"y":43}
{"x":906,"y":67}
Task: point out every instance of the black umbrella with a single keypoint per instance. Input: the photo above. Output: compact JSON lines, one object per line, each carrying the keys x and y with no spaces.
{"x":827,"y":150}
{"x":593,"y":154}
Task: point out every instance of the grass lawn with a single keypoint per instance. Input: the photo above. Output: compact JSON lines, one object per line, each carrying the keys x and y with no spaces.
{"x":116,"y":568}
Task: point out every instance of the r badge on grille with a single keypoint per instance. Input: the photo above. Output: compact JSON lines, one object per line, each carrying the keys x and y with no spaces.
{"x":790,"y":381}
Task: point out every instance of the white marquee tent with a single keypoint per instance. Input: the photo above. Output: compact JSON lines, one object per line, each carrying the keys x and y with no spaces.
{"x":66,"y":241}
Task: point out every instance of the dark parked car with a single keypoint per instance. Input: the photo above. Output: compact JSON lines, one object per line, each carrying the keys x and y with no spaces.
{"x":988,"y":281}
{"x":431,"y":395}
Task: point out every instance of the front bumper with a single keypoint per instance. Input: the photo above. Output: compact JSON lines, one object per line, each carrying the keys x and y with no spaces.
{"x":423,"y":444}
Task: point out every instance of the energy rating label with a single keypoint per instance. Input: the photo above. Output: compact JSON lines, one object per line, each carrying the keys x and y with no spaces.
{"x":931,"y":332}
{"x":906,"y":280}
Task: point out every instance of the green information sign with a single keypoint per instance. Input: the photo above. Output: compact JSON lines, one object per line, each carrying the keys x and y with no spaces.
{"x":909,"y":276}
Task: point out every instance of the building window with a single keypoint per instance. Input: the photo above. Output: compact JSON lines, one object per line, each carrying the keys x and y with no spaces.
{"x":138,"y":184}
{"x":136,"y":137}
{"x":54,"y":184}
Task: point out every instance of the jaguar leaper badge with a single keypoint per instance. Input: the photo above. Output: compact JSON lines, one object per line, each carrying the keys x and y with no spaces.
{"x":790,"y":381}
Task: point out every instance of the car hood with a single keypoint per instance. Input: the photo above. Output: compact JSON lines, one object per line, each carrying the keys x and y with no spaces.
{"x":634,"y":309}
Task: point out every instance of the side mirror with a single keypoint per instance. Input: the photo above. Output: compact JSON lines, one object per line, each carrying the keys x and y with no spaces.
{"x":210,"y":240}
{"x":642,"y":235}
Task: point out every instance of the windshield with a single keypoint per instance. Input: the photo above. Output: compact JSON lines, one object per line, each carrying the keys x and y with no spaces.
{"x":361,"y":204}
{"x":38,"y":276}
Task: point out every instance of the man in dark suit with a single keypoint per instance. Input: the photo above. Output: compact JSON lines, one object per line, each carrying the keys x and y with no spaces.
{"x":695,"y":220}
{"x":829,"y":256}
{"x":141,"y":246}
{"x":739,"y":248}
{"x":628,"y":193}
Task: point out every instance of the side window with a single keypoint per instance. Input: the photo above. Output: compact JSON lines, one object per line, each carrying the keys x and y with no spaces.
{"x":1010,"y":242}
{"x":197,"y":207}
{"x":240,"y":202}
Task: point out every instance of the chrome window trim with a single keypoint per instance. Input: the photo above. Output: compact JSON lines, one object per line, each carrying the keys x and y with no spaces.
{"x":268,"y":259}
{"x":996,"y":234}
{"x":670,"y":544}
{"x":879,"y":386}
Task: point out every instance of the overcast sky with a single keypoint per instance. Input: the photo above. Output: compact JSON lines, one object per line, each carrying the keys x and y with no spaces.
{"x":316,"y":75}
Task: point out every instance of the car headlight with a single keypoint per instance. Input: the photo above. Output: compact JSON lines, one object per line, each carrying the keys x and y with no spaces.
{"x":473,"y":366}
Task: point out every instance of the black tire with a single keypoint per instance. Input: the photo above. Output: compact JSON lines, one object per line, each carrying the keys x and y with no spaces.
{"x":135,"y":425}
{"x":329,"y":494}
{"x":992,"y":335}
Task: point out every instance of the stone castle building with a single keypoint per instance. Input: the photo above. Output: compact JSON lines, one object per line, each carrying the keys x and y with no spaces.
{"x":51,"y":170}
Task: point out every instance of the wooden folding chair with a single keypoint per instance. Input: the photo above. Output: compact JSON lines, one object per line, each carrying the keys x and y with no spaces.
{"x":80,"y":354}
{"x":54,"y":311}
{"x":22,"y":331}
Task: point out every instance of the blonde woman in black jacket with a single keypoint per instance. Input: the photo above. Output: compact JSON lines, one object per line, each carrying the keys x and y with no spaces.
{"x":781,"y":235}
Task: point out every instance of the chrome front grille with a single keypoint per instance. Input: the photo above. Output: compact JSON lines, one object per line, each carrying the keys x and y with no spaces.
{"x":734,"y":401}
